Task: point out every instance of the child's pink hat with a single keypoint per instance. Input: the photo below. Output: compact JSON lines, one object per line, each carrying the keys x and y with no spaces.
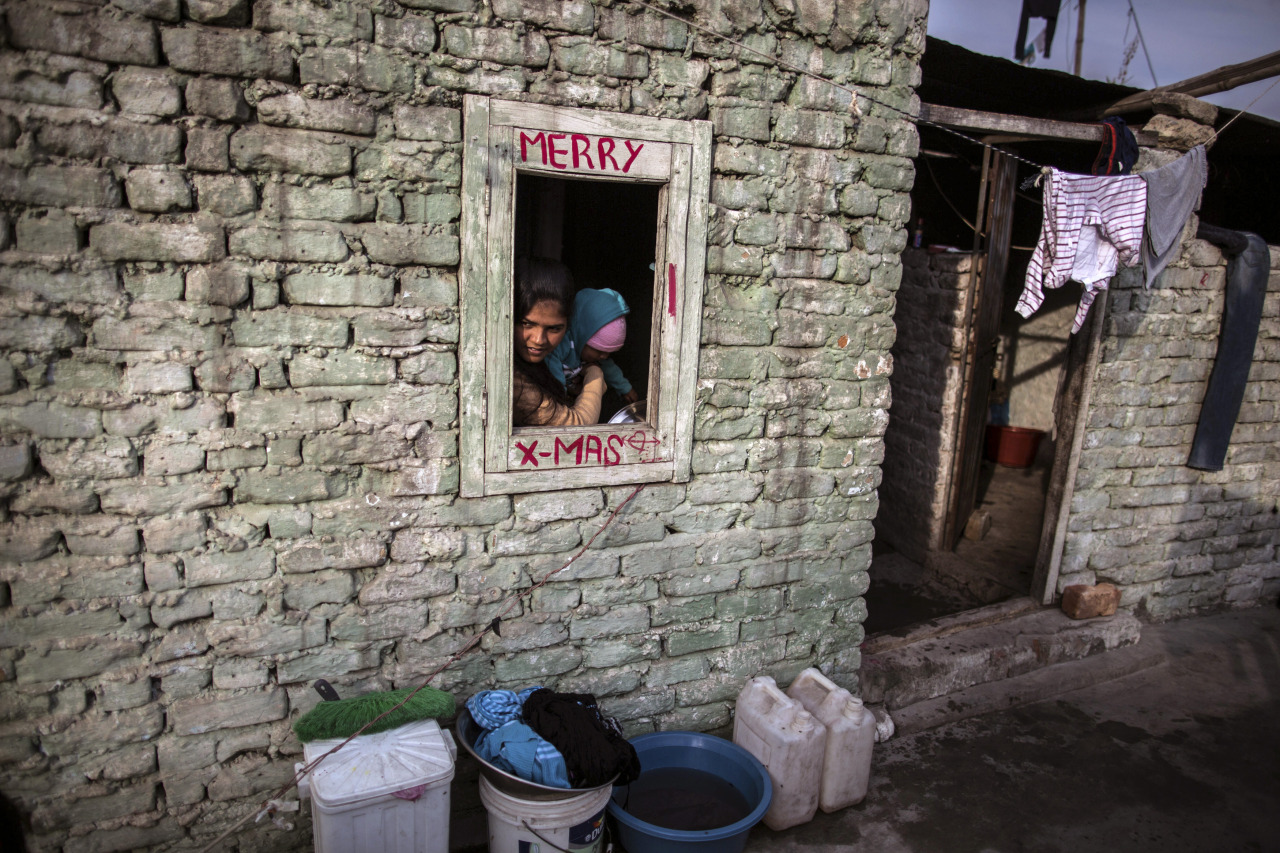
{"x":611,"y":336}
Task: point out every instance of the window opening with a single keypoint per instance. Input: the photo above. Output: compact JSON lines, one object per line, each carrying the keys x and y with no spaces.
{"x":606,"y":233}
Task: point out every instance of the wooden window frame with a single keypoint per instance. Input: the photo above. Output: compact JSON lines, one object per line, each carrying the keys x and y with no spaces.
{"x":495,"y":459}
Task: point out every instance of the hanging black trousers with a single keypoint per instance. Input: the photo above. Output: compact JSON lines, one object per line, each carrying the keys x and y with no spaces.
{"x":1241,"y":314}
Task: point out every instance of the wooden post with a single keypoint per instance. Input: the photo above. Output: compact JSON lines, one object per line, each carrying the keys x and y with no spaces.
{"x":1080,"y":39}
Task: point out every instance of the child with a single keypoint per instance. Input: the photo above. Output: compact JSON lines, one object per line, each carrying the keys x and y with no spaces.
{"x":597,"y":327}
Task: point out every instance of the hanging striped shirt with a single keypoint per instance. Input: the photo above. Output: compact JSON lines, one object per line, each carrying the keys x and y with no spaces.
{"x":1091,"y":226}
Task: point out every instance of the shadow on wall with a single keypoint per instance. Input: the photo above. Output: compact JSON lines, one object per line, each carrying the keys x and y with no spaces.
{"x":926,"y":382}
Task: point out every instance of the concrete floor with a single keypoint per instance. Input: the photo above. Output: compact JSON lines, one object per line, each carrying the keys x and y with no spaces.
{"x":979,"y":572}
{"x":1182,"y":757}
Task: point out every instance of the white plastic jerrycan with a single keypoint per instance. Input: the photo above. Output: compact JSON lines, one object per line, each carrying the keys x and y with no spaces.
{"x":851,"y":732}
{"x":789,"y":742}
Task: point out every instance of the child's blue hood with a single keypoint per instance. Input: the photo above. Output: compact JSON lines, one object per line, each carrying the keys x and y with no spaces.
{"x":592,"y":309}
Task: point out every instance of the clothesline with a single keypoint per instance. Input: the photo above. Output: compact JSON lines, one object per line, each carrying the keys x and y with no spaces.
{"x":850,"y":90}
{"x":860,"y":94}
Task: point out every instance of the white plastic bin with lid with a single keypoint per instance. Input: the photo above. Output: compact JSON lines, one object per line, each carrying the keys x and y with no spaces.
{"x":382,"y":793}
{"x":789,"y":742}
{"x":851,"y":734}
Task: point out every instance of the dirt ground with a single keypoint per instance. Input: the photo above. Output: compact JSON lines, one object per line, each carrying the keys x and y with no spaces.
{"x":1181,"y":757}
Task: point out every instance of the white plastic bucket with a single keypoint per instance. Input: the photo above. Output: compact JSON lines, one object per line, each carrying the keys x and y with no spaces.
{"x":543,"y":826}
{"x":382,"y":793}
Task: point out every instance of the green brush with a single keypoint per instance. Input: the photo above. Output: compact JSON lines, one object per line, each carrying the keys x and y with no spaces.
{"x":345,"y":717}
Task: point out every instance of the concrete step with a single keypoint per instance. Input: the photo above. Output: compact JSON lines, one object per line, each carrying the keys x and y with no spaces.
{"x":1035,"y":686}
{"x":991,"y":645}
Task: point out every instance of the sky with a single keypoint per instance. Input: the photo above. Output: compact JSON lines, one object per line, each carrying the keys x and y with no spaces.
{"x":1184,"y":38}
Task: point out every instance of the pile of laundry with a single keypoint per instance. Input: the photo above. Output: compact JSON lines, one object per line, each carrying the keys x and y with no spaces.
{"x":560,"y":740}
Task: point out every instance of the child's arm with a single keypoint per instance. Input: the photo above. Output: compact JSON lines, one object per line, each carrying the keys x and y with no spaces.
{"x":613,"y":376}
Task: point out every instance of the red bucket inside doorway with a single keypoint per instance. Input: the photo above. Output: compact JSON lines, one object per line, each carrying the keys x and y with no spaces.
{"x":1013,"y":447}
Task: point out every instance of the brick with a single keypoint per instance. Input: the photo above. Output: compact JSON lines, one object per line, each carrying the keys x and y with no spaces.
{"x":288,"y":243}
{"x":649,"y":30}
{"x":315,"y":19}
{"x":225,"y":13}
{"x":196,"y":716}
{"x":140,"y":90}
{"x":742,"y":122}
{"x":552,"y":14}
{"x":225,"y":195}
{"x":339,"y":114}
{"x":284,"y":328}
{"x":387,"y":329}
{"x":128,"y":42}
{"x":378,"y":623}
{"x":414,"y":33}
{"x":406,"y":245}
{"x":1081,"y":601}
{"x":402,"y":161}
{"x":58,"y":498}
{"x":47,"y":232}
{"x":314,"y":557}
{"x":303,"y":152}
{"x":428,"y":287}
{"x":402,"y":405}
{"x":333,"y":204}
{"x":227,"y":52}
{"x":160,"y":416}
{"x":497,"y":45}
{"x":157,"y":378}
{"x":163,"y":10}
{"x":53,"y":420}
{"x":154,"y":334}
{"x":217,"y":285}
{"x":61,"y":186}
{"x":367,"y":67}
{"x":15,"y":462}
{"x":32,"y":83}
{"x":128,"y":141}
{"x":157,"y":190}
{"x":198,"y":244}
{"x":273,"y":414}
{"x":341,"y":369}
{"x":66,"y":664}
{"x":430,"y":124}
{"x":217,"y":97}
{"x":135,"y":499}
{"x":208,"y":150}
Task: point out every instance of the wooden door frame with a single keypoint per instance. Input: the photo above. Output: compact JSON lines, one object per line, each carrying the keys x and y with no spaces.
{"x":1072,"y":403}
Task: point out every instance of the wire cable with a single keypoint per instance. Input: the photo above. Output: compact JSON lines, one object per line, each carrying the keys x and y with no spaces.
{"x":1143,"y":42}
{"x":850,"y":90}
{"x":1219,"y":131}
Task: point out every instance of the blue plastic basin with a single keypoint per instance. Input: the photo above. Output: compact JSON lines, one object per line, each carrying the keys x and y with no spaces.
{"x":709,"y":754}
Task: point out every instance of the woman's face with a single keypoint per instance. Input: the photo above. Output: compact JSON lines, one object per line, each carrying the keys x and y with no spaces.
{"x":540,"y":331}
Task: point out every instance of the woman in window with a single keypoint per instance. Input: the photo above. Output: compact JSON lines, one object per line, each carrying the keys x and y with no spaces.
{"x":543,"y":305}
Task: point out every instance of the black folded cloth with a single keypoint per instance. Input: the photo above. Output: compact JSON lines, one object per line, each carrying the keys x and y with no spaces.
{"x":592,"y":744}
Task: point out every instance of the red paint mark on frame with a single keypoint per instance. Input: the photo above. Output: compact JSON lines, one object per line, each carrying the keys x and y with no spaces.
{"x":671,"y":290}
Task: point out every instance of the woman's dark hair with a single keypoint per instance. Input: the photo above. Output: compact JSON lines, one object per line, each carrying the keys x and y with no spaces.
{"x":540,"y":280}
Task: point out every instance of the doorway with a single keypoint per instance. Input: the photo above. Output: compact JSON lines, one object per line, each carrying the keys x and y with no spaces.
{"x":958,"y":530}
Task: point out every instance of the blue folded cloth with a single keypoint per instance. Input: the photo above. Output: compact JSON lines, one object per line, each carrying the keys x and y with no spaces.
{"x":492,"y":709}
{"x":519,"y":750}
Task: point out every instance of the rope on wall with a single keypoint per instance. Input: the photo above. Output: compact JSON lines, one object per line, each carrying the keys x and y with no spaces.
{"x":268,"y":806}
